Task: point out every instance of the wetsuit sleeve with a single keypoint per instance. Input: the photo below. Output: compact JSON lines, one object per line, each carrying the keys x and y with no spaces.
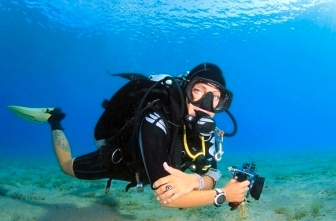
{"x":155,"y":145}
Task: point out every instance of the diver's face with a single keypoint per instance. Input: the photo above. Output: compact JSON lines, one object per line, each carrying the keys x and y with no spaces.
{"x":198,"y":91}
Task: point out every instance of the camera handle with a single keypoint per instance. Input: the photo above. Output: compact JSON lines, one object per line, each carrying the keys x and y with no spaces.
{"x":241,"y":178}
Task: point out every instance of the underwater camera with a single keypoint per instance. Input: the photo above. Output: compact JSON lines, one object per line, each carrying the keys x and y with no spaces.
{"x":244,"y":172}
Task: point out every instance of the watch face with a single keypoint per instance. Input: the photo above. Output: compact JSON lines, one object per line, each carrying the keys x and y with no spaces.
{"x":221,"y":198}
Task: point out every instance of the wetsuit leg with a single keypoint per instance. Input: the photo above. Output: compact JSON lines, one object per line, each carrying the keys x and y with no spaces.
{"x":87,"y":167}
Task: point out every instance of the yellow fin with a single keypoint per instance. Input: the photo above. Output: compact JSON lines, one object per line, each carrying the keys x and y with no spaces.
{"x":37,"y":115}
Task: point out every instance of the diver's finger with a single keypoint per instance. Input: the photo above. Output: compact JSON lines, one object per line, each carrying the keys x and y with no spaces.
{"x":164,"y":190}
{"x":161,"y":181}
{"x":163,"y":198}
{"x":173,"y":198}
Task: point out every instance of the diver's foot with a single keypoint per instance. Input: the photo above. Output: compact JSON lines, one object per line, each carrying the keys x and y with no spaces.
{"x":56,"y":116}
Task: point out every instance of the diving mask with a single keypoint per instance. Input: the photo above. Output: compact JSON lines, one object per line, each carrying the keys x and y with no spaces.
{"x":206,"y":101}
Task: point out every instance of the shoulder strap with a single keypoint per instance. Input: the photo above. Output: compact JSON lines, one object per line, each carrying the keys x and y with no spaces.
{"x":178,"y":106}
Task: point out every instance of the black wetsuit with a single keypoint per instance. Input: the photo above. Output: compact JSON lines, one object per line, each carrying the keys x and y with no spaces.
{"x":155,"y":143}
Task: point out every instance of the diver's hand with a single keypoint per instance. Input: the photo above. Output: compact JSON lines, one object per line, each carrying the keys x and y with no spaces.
{"x":236,"y":191}
{"x":180,"y":182}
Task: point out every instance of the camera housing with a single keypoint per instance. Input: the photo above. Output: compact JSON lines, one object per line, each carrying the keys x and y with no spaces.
{"x":247,"y":171}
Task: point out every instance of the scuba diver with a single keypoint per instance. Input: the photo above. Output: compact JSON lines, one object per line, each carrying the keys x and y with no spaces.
{"x":168,"y":141}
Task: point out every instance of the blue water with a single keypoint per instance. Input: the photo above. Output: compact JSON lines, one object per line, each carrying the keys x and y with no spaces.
{"x":279,"y":59}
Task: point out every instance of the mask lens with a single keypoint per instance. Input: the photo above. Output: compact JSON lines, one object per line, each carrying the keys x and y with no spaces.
{"x":224,"y":101}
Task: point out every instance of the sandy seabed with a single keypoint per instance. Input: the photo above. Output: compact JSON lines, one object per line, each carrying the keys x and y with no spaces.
{"x":299,"y":186}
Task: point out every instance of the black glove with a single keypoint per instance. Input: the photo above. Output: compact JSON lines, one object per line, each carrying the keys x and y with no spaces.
{"x":55,"y":119}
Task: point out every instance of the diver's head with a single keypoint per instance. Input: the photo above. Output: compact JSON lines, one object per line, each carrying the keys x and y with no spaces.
{"x":206,"y":90}
{"x":205,"y":95}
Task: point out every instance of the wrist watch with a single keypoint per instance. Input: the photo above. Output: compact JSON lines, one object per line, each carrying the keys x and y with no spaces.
{"x":220,"y":197}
